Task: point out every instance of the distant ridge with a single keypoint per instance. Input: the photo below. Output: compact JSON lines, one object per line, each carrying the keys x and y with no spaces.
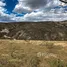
{"x":34,"y":30}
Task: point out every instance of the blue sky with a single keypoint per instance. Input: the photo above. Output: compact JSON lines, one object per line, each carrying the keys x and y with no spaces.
{"x":10,"y":4}
{"x":32,"y":10}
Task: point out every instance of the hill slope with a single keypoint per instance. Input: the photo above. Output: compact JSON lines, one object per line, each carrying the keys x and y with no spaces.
{"x":34,"y":31}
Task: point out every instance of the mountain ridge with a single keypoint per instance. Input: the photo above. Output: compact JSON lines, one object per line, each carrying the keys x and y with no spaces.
{"x":34,"y":31}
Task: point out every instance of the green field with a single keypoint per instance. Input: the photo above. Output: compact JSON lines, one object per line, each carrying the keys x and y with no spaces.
{"x":33,"y":53}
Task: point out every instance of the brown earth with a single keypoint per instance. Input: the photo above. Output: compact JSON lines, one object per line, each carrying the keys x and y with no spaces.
{"x":34,"y":31}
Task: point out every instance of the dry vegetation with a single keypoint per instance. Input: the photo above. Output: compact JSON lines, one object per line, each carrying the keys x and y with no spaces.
{"x":34,"y":31}
{"x":33,"y":53}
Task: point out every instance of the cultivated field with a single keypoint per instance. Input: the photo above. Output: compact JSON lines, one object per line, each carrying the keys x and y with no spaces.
{"x":33,"y":53}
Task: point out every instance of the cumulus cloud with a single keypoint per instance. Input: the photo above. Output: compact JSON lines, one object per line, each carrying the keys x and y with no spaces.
{"x":36,"y":10}
{"x":35,"y":4}
{"x":3,"y":16}
{"x":19,"y":9}
{"x":49,"y":16}
{"x":30,"y":5}
{"x":45,"y":10}
{"x":2,"y":4}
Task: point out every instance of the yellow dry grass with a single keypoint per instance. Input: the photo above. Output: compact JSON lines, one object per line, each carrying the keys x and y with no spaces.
{"x":33,"y":53}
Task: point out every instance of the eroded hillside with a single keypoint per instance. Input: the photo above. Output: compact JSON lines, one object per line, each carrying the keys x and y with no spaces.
{"x":34,"y":31}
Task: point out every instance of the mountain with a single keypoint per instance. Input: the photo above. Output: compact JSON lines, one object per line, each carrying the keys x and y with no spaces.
{"x":34,"y":30}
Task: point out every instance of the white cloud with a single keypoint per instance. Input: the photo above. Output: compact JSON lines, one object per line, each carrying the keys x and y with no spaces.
{"x":29,"y":5}
{"x":3,"y":16}
{"x":49,"y":16}
{"x":19,"y":9}
{"x":2,"y":4}
{"x":33,"y":5}
{"x":43,"y":13}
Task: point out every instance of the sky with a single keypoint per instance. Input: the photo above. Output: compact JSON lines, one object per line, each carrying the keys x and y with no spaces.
{"x":32,"y":10}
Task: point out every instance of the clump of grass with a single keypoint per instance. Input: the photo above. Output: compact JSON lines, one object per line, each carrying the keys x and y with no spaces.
{"x":53,"y":48}
{"x":1,"y":65}
{"x":57,"y":63}
{"x":16,"y":51}
{"x":34,"y":61}
{"x":3,"y":62}
{"x":50,"y":45}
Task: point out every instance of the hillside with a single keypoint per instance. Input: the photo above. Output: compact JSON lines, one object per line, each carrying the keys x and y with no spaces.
{"x":34,"y":31}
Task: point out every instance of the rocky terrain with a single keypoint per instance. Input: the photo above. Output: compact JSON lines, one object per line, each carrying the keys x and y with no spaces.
{"x":34,"y":31}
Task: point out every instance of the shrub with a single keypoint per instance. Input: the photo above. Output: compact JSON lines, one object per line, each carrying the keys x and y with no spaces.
{"x":49,"y":45}
{"x":34,"y":62}
{"x":57,"y":63}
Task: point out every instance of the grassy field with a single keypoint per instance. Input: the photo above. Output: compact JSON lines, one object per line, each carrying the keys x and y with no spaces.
{"x":33,"y":53}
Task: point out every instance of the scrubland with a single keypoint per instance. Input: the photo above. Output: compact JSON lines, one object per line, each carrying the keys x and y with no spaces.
{"x":33,"y":53}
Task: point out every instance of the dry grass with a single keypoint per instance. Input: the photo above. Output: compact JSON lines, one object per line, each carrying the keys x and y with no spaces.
{"x":33,"y":53}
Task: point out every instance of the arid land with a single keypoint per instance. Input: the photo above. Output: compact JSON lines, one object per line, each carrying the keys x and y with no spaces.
{"x":33,"y":44}
{"x":33,"y":53}
{"x":54,"y":31}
